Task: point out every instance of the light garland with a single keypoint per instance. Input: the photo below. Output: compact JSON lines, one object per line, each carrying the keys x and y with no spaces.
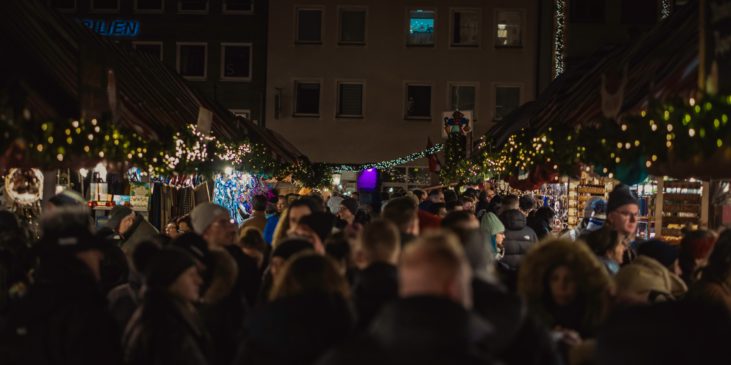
{"x":559,"y":37}
{"x":391,"y":163}
{"x":666,"y":7}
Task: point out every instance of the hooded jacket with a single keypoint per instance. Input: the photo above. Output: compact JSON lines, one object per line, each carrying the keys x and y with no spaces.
{"x":518,"y":237}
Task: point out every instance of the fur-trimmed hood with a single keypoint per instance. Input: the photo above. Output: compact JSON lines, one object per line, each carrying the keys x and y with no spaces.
{"x":593,"y":282}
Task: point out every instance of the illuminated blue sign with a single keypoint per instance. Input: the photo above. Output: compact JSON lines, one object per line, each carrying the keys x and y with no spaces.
{"x":113,"y":28}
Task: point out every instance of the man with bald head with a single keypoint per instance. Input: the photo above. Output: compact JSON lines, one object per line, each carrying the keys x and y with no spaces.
{"x":431,"y":322}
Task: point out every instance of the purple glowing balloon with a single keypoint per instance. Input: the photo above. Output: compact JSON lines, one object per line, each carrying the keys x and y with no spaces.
{"x":368,"y":179}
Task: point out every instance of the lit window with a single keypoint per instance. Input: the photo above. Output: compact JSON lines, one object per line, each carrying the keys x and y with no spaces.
{"x":508,"y":30}
{"x":421,"y":28}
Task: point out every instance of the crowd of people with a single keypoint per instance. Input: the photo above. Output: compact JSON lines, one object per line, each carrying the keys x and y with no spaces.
{"x":431,"y":277}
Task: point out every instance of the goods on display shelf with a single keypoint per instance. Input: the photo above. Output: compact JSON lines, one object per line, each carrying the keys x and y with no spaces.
{"x":582,"y":193}
{"x":646,"y":195}
{"x":683,"y":204}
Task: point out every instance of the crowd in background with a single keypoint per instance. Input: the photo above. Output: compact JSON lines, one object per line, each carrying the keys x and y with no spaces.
{"x":420,"y":277}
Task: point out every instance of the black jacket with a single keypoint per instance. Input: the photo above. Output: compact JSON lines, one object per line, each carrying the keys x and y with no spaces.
{"x":374,"y":287}
{"x":420,"y":330}
{"x":164,"y":331}
{"x":62,"y":320}
{"x":518,"y":237}
{"x":514,"y":327}
{"x":295,"y":330}
{"x":540,"y":225}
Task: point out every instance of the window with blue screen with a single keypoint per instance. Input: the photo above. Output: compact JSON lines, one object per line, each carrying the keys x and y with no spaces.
{"x":421,"y":28}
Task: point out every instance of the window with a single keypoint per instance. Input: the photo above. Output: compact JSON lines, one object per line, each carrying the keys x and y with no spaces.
{"x":149,"y":6}
{"x":238,"y":6}
{"x":465,"y":28}
{"x":508,"y":30}
{"x":350,"y":99}
{"x":307,"y":98}
{"x":192,"y":60}
{"x":104,"y":5}
{"x":152,"y":48}
{"x":63,"y":5}
{"x":309,"y":26}
{"x":418,"y":101}
{"x":352,"y":26}
{"x":507,"y":98}
{"x":587,"y":11}
{"x":193,"y":6}
{"x":462,"y":96}
{"x":639,"y":12}
{"x":236,"y":61}
{"x":421,"y":28}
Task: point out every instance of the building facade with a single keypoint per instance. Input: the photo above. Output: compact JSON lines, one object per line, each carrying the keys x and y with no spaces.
{"x":357,"y":81}
{"x":219,"y":46}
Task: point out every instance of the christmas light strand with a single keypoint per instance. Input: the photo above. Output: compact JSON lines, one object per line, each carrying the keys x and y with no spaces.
{"x":390,"y":163}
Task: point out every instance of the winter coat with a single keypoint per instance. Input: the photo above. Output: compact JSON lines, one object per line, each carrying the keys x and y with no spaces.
{"x":124,"y":300}
{"x":62,"y":320}
{"x":295,"y":330}
{"x":249,"y":278}
{"x":518,"y":237}
{"x":593,"y":285}
{"x":374,"y":287}
{"x":141,"y":230}
{"x":270,"y":227}
{"x":419,"y":330}
{"x":166,"y":331}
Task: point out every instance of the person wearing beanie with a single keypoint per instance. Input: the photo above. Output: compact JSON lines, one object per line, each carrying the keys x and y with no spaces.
{"x":166,"y":328}
{"x":315,"y":227}
{"x":623,"y":209}
{"x":598,"y":215}
{"x":63,"y":319}
{"x":647,"y":280}
{"x":213,"y":223}
{"x":662,"y":252}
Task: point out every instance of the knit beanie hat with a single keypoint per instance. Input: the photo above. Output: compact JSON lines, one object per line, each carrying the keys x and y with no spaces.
{"x":205,"y":214}
{"x":491,"y":224}
{"x":334,"y":203}
{"x":165,"y":267}
{"x":321,"y":223}
{"x":664,"y":253}
{"x":351,"y":204}
{"x":621,"y":195}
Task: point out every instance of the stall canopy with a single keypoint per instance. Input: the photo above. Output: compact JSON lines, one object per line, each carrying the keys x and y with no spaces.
{"x":58,"y":67}
{"x":660,"y":64}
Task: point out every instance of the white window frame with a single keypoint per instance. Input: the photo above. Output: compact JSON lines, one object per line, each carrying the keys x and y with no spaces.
{"x":237,"y":12}
{"x":362,"y":83}
{"x":297,"y":9}
{"x":474,"y":84}
{"x":142,"y":43}
{"x":294,"y":99}
{"x":342,"y":8}
{"x":208,"y":8}
{"x":65,"y":10}
{"x":177,"y":60}
{"x":149,"y":11}
{"x":405,"y":98}
{"x":407,"y":27}
{"x":493,"y":102}
{"x":94,"y":10}
{"x":223,"y":61}
{"x":523,"y":26}
{"x":245,"y":113}
{"x":480,"y":28}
